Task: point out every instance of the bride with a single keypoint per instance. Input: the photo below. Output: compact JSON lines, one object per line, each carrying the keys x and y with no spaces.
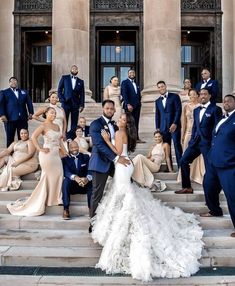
{"x":139,"y":234}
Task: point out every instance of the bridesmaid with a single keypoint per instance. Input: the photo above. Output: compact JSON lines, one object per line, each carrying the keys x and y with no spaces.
{"x":19,"y":159}
{"x":48,"y":190}
{"x":197,"y":168}
{"x":184,"y":94}
{"x":144,"y":167}
{"x":60,"y":114}
{"x":113,"y":92}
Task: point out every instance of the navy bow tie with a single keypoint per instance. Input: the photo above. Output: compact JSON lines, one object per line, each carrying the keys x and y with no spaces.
{"x":111,"y":122}
{"x":164,"y":96}
{"x":225,"y":115}
{"x":202,"y":107}
{"x":74,"y":77}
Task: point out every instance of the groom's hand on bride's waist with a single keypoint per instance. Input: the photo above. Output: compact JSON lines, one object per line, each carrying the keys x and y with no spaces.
{"x":123,"y":160}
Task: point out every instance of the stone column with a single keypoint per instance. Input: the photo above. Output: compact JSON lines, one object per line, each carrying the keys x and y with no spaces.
{"x":70,"y":39}
{"x":162,"y":45}
{"x":7,"y":42}
{"x":228,"y":46}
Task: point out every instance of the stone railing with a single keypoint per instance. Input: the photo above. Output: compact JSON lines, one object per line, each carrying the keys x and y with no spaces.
{"x":117,"y":5}
{"x":34,"y":5}
{"x":192,"y":5}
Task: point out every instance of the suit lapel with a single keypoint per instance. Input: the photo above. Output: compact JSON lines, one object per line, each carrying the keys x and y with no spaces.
{"x":206,"y":112}
{"x":231,"y":117}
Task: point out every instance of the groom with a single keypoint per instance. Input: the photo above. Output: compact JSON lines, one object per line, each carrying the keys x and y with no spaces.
{"x":102,"y":157}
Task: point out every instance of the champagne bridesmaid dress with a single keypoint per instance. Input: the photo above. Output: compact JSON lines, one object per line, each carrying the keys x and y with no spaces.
{"x":48,"y":190}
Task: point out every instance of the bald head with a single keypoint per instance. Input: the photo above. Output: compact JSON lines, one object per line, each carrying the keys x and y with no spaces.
{"x":73,"y":148}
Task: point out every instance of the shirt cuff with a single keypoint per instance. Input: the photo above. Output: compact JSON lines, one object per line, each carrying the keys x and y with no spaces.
{"x":116,"y":159}
{"x":89,"y":177}
{"x":72,"y":177}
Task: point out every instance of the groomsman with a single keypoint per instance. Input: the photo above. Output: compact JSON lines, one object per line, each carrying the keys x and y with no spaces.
{"x":208,"y":83}
{"x":167,"y":117}
{"x":71,"y":93}
{"x":220,"y":173}
{"x":77,"y":178}
{"x":130,"y":92}
{"x":16,"y":109}
{"x":205,"y":119}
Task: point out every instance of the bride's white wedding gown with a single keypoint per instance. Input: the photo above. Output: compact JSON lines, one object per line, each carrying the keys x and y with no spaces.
{"x":140,"y":235}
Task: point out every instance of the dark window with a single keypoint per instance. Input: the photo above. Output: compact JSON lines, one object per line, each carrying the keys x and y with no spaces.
{"x":42,"y":54}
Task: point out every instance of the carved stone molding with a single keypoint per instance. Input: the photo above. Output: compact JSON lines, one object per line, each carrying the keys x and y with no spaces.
{"x":117,"y":5}
{"x":32,"y":5}
{"x":200,"y":4}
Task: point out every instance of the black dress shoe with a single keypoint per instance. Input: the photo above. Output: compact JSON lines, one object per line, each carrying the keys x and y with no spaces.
{"x":90,"y":229}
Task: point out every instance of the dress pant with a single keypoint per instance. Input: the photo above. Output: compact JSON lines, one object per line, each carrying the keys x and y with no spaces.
{"x":215,"y":180}
{"x":176,"y":137}
{"x":70,"y":187}
{"x":98,"y":185}
{"x":191,"y":153}
{"x":12,"y":126}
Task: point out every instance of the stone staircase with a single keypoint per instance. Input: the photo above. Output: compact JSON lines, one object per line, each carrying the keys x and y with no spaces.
{"x":50,"y":241}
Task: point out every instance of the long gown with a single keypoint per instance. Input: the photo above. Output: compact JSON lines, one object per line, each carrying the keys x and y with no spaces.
{"x":140,"y":235}
{"x":10,"y":177}
{"x":48,"y":190}
{"x":115,"y":94}
{"x":197,"y":168}
{"x":144,"y":168}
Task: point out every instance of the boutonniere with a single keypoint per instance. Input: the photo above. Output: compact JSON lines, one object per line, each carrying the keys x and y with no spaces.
{"x":106,"y":127}
{"x":208,"y":114}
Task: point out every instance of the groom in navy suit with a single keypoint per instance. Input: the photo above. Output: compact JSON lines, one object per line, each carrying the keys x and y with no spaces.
{"x":130,"y":92}
{"x":205,"y":118}
{"x":77,"y":178}
{"x":102,"y":157}
{"x":16,"y":109}
{"x":210,"y":84}
{"x":168,"y":111}
{"x":72,"y":97}
{"x":220,"y":173}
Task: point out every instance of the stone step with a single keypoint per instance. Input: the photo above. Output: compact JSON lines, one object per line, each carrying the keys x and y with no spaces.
{"x":55,"y":222}
{"x":88,"y":257}
{"x":166,"y":196}
{"x":111,"y":280}
{"x":216,"y":238}
{"x":171,"y":184}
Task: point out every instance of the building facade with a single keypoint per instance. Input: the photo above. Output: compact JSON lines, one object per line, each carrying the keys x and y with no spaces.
{"x":163,"y":40}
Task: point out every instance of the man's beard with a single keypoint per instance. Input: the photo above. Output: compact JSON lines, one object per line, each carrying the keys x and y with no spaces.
{"x":74,"y":73}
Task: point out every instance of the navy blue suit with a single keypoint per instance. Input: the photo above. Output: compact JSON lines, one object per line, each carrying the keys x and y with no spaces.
{"x":200,"y":141}
{"x":221,"y":169}
{"x":101,"y":162}
{"x":70,"y":186}
{"x":130,"y":96}
{"x":165,"y":117}
{"x":16,"y":111}
{"x":71,"y":99}
{"x":212,"y":86}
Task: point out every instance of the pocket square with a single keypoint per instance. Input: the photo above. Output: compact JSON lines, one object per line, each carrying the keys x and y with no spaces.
{"x":23,"y":92}
{"x":83,"y":165}
{"x":209,"y":84}
{"x":208,"y":114}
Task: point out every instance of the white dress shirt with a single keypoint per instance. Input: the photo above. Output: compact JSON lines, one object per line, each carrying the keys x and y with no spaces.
{"x":111,"y":129}
{"x":223,"y":120}
{"x":164,"y":98}
{"x":16,"y":93}
{"x":203,"y":110}
{"x":73,"y":79}
{"x":204,"y":83}
{"x":134,"y":84}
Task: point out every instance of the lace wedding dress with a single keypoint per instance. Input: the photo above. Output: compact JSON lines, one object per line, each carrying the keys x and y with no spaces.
{"x":140,"y":235}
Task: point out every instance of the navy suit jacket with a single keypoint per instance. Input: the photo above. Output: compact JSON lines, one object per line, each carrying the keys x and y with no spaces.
{"x":222,"y":152}
{"x":202,"y":131}
{"x":80,"y":170}
{"x":66,"y":92}
{"x":165,"y":117}
{"x":212,"y":86}
{"x":102,"y":156}
{"x":129,"y":95}
{"x":15,"y":108}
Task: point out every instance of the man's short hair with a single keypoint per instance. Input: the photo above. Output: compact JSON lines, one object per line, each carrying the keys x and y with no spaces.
{"x":204,"y":88}
{"x":161,"y":81}
{"x":13,"y":77}
{"x":107,"y":101}
{"x":230,"y":95}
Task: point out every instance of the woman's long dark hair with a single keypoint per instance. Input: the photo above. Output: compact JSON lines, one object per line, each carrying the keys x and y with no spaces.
{"x":131,"y":132}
